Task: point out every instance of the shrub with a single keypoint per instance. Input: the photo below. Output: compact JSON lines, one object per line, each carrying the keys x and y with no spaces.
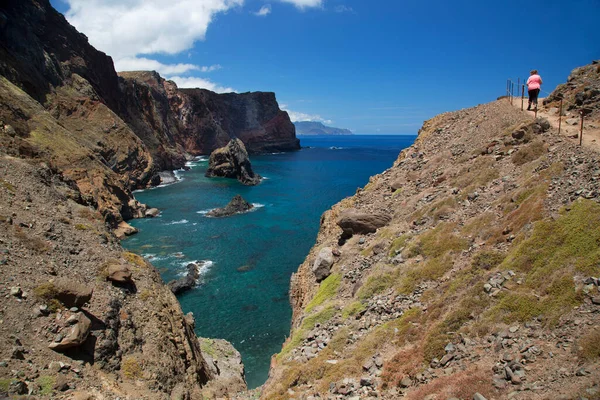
{"x":529,"y":153}
{"x":134,"y":259}
{"x":46,"y":383}
{"x":487,"y":260}
{"x":131,"y":368}
{"x":590,"y":346}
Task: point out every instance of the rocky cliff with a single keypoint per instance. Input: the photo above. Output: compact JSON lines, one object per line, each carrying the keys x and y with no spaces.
{"x":468,"y":270}
{"x":120,"y":130}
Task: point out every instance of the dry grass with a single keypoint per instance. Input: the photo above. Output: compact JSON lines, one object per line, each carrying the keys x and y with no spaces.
{"x":590,"y":346}
{"x":407,"y":362}
{"x":131,"y":367}
{"x":462,"y":385}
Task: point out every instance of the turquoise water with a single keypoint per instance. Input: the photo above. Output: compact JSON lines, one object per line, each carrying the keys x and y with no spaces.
{"x":251,"y":309}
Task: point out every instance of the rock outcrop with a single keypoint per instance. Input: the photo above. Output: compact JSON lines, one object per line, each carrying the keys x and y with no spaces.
{"x":232,"y":162}
{"x":188,"y":282}
{"x":237,"y":205}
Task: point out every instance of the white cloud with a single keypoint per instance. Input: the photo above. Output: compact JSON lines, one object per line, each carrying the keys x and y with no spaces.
{"x":264,"y":11}
{"x":194,"y":82}
{"x":302,"y":4}
{"x":126,"y":28}
{"x":300,"y":116}
{"x":211,"y":68}
{"x":146,"y":64}
{"x":344,"y":9}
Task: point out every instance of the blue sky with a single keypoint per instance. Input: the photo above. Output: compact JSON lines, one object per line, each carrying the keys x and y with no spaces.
{"x":375,"y":67}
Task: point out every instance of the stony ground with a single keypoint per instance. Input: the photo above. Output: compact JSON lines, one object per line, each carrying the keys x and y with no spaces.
{"x":483,"y":284}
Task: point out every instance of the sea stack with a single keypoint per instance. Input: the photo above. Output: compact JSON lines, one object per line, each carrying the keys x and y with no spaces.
{"x":232,"y":161}
{"x":236,"y":205}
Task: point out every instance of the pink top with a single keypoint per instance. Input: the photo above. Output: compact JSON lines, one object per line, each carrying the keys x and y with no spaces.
{"x":534,"y":82}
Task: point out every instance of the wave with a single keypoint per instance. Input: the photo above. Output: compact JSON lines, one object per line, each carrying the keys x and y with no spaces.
{"x":336,"y":148}
{"x":180,"y":222}
{"x":203,"y":266}
{"x":196,"y":161}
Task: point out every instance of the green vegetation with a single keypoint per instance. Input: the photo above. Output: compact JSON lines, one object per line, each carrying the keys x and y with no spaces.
{"x":437,"y":242}
{"x":4,"y":384}
{"x":82,"y":227}
{"x":46,"y":383}
{"x":431,"y":269}
{"x":398,"y":244}
{"x":352,"y":309}
{"x":207,"y":347}
{"x":308,"y":324}
{"x":134,"y":259}
{"x":487,"y":260}
{"x":376,"y":284}
{"x":480,"y":173}
{"x":327,"y":290}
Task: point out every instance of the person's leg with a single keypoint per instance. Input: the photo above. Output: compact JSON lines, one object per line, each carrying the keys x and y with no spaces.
{"x":530,"y":92}
{"x":535,"y":97}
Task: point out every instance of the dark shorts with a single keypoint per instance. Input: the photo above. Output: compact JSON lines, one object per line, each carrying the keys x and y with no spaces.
{"x":533,"y":95}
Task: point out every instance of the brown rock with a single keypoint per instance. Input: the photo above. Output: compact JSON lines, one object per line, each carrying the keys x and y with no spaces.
{"x":76,"y":335}
{"x":124,"y":229}
{"x":71,"y":293}
{"x":232,"y":161}
{"x":353,"y":221}
{"x":119,"y":273}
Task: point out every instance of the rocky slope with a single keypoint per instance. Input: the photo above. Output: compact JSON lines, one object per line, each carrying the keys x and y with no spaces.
{"x":468,"y":270}
{"x":81,"y":318}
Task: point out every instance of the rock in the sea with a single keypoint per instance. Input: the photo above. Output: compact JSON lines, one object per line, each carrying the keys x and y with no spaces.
{"x":187,"y":282}
{"x":153,"y":212}
{"x":353,"y":221}
{"x":232,"y":161}
{"x":235,"y":206}
{"x":77,"y":327}
{"x":323,"y":262}
{"x":124,"y":229}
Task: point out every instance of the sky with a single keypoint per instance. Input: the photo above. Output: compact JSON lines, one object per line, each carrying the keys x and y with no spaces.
{"x":372,"y":66}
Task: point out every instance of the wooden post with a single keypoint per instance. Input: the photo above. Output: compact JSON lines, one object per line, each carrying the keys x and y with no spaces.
{"x":581,"y":128}
{"x":560,"y":115}
{"x":522,"y":96}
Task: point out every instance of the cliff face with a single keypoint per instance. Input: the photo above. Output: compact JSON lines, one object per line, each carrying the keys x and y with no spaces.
{"x":468,"y":267}
{"x":173,"y":122}
{"x":126,"y":128}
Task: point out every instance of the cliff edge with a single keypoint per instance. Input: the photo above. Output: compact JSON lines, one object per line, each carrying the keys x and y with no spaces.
{"x":467,"y":270}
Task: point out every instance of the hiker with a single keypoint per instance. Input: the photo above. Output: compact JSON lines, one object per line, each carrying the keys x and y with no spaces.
{"x":534,"y":83}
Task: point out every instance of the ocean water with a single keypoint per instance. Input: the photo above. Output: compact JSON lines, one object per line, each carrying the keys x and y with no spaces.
{"x":247,"y":259}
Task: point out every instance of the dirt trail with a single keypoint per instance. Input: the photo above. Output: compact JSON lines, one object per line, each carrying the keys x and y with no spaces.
{"x":591,"y":129}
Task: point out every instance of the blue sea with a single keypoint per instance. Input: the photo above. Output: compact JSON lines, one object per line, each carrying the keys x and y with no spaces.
{"x":250,"y":307}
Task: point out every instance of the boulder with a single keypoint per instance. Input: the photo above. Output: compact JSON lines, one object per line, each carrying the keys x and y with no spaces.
{"x":153,"y":212}
{"x":397,"y":184}
{"x":77,"y":327}
{"x":71,"y":293}
{"x":323,"y":263}
{"x":124,"y":229}
{"x":232,"y":162}
{"x":119,"y":273}
{"x":235,"y":206}
{"x":353,"y":221}
{"x":187,"y":282}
